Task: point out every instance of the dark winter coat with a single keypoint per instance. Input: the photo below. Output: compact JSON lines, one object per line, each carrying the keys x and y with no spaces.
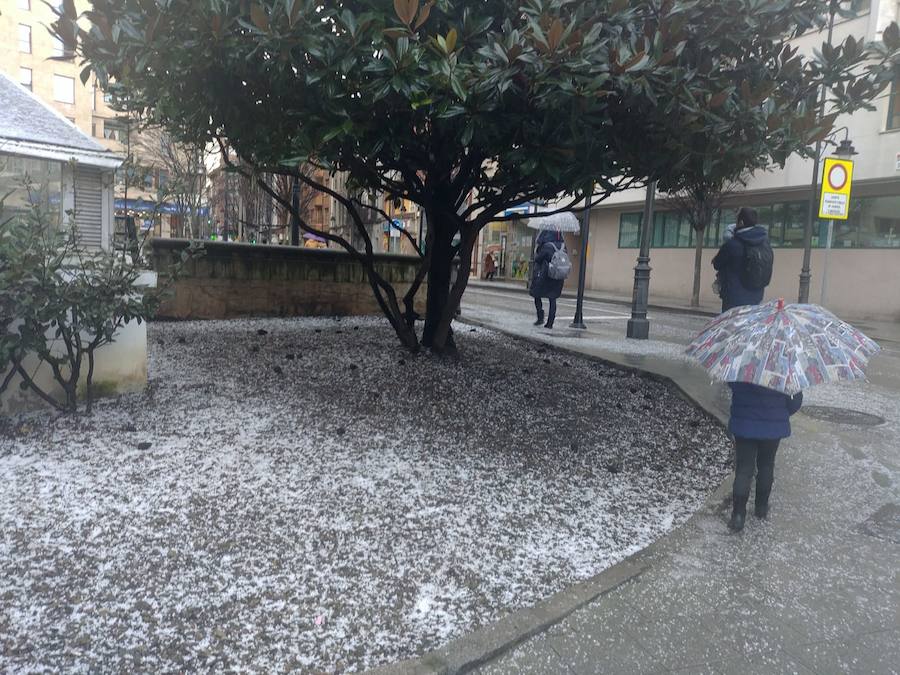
{"x":761,"y":414}
{"x":728,"y":263}
{"x":542,"y":286}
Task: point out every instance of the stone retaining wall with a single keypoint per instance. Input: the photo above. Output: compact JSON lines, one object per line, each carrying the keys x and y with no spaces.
{"x":234,"y":280}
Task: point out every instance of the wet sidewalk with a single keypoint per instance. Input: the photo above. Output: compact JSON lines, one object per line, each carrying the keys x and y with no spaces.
{"x":815,"y":589}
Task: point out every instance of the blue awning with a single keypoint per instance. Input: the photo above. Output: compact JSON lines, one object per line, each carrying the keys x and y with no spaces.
{"x":146,"y":206}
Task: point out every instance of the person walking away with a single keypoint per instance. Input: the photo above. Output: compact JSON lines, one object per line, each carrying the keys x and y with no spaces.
{"x":744,"y":262}
{"x":760,"y":419}
{"x":490,"y":267}
{"x":551,"y":267}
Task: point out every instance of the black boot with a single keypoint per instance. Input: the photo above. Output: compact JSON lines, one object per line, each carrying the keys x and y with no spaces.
{"x":540,"y":319}
{"x":549,"y":324}
{"x":738,"y":513}
{"x":761,"y":505}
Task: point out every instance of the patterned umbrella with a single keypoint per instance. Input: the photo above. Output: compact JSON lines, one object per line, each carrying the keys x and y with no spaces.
{"x":786,"y":348}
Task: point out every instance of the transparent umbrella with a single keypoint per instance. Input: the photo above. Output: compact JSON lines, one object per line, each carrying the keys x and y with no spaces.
{"x":565,"y":221}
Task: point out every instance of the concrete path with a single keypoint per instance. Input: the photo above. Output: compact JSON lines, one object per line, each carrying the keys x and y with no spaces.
{"x":816,"y":589}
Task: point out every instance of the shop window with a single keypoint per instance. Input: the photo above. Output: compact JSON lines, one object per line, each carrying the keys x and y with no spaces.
{"x":878,"y":221}
{"x":24,"y":38}
{"x":793,"y":217}
{"x":63,"y":89}
{"x":893,"y":119}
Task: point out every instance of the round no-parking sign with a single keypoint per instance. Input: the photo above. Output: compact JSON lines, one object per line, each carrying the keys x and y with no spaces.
{"x":835,"y":200}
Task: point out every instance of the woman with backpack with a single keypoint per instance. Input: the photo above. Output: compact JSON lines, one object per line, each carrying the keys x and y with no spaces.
{"x":549,"y":274}
{"x":744,"y":263}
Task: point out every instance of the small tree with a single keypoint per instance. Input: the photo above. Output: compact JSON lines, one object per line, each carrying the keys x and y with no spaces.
{"x":470,"y":109}
{"x":698,"y":201}
{"x":182,"y":167}
{"x":60,"y":303}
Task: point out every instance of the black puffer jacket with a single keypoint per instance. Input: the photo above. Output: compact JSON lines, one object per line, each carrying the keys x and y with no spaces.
{"x":542,"y":286}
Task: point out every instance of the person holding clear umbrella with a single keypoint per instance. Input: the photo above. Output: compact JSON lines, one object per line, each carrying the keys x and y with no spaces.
{"x":551,"y":264}
{"x":544,"y":282}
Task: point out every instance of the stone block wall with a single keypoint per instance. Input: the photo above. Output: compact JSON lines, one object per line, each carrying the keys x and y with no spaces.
{"x":233,"y":280}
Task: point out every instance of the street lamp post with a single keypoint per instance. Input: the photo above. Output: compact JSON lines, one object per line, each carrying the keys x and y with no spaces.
{"x":805,"y":271}
{"x":639,"y":324}
{"x":578,"y":321}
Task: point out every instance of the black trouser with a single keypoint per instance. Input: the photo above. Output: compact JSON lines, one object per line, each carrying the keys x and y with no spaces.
{"x":750,"y":454}
{"x":540,"y":309}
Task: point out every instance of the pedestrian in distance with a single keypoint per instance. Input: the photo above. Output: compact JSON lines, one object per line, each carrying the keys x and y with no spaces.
{"x":551,"y":267}
{"x":760,"y":419}
{"x":744,"y":263}
{"x":490,"y":267}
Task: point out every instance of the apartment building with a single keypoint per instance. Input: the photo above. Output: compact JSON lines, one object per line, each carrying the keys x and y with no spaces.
{"x":30,"y":55}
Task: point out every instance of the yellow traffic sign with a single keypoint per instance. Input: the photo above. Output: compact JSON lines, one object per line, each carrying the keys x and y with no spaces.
{"x":834,"y":203}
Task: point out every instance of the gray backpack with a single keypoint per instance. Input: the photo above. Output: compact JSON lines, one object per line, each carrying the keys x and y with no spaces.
{"x":560,"y":265}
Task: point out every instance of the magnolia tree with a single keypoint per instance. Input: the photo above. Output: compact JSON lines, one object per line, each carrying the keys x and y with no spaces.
{"x":471,"y":108}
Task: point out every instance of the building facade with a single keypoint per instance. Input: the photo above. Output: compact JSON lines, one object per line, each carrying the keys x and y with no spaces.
{"x":38,"y":61}
{"x":46,"y":161}
{"x":857,"y":276}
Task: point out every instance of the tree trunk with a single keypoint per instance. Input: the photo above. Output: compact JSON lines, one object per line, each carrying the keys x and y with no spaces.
{"x":698,"y":266}
{"x":438,"y":283}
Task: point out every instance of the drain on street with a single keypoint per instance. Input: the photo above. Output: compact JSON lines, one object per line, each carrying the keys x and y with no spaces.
{"x":842,"y":415}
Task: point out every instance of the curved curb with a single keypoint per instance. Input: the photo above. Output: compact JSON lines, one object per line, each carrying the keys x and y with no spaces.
{"x":475,"y":649}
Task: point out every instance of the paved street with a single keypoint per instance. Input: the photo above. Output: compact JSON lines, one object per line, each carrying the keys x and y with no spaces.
{"x":816,"y":589}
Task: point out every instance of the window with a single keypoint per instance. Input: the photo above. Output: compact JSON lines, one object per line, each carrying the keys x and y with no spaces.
{"x":893,"y":119}
{"x":113,"y":131}
{"x":630,"y":230}
{"x":24,"y":38}
{"x":107,"y":98}
{"x":874,"y":222}
{"x":25,"y":77}
{"x":670,"y":230}
{"x":29,"y":182}
{"x":24,"y":4}
{"x":63,"y":89}
{"x":163,"y":178}
{"x":785,"y":222}
{"x":147,"y":178}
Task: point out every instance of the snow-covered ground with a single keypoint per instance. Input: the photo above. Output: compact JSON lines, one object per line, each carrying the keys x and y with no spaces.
{"x":303,"y":494}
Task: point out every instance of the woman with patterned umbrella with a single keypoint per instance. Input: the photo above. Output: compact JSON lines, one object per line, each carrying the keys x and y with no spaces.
{"x":768,"y":354}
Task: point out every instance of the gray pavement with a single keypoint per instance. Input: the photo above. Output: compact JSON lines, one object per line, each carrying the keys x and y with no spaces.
{"x":815,"y":589}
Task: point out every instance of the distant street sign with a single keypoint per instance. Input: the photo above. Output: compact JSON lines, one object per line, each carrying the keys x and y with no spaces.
{"x":835,"y":201}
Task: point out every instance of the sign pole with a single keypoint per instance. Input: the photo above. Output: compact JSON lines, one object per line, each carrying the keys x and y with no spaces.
{"x":828,"y":243}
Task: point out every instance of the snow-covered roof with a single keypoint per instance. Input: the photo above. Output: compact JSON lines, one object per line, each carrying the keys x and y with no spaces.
{"x":30,"y":127}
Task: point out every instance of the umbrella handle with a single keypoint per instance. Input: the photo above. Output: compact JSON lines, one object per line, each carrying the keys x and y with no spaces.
{"x":779,"y":307}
